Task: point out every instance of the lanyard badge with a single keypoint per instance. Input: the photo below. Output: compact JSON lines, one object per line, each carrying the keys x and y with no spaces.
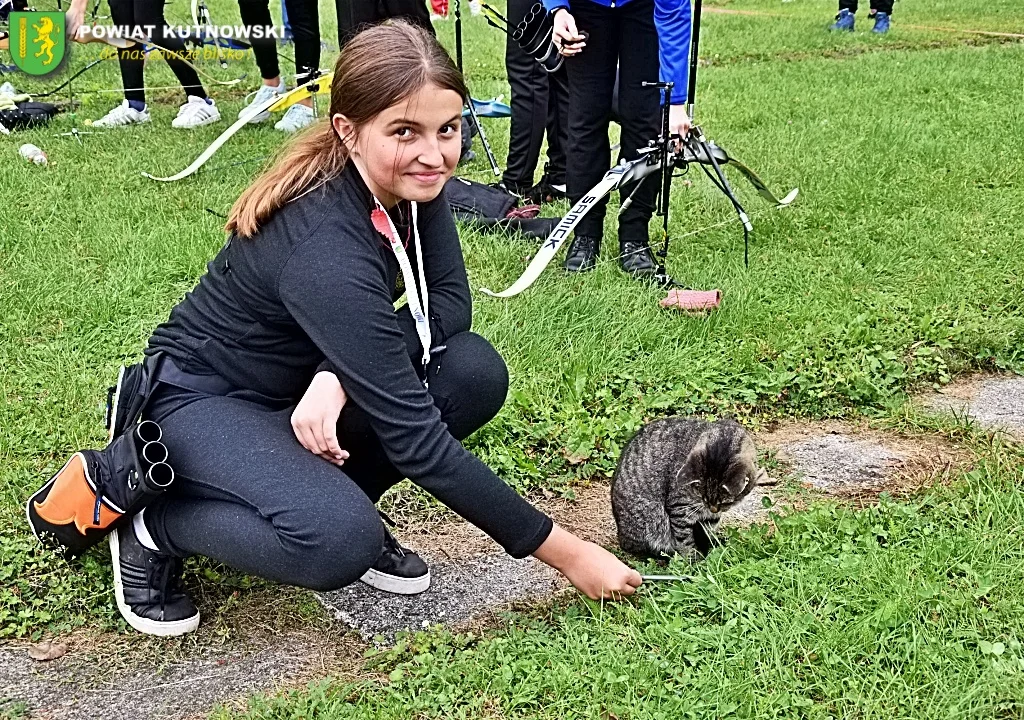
{"x":383,"y":224}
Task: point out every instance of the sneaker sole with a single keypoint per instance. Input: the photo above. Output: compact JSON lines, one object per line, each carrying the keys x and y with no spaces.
{"x":396,"y":585}
{"x":144,"y":625}
{"x":114,"y":126}
{"x":258,"y":118}
{"x":208,"y":121}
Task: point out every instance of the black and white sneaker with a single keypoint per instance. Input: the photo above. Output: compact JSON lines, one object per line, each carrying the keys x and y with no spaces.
{"x":148,"y":588}
{"x":398,"y":570}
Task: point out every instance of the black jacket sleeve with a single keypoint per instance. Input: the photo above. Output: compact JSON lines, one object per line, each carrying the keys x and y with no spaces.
{"x":336,"y":289}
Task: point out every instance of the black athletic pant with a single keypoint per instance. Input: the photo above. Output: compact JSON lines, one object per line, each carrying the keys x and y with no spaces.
{"x":256,"y":13}
{"x":625,"y":37}
{"x":249,"y":495}
{"x":140,"y":13}
{"x":354,"y":15}
{"x":540,"y":101}
{"x":884,"y":6}
{"x":304,"y":17}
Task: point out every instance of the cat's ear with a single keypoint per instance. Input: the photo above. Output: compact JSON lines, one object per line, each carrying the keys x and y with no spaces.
{"x":747,"y":456}
{"x":696,"y":460}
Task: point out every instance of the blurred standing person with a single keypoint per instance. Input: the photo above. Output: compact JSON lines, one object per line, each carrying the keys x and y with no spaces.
{"x":881,"y":10}
{"x":256,"y":13}
{"x":540,"y":102}
{"x":304,"y":18}
{"x":644,"y":39}
{"x":145,"y":19}
{"x":355,"y":15}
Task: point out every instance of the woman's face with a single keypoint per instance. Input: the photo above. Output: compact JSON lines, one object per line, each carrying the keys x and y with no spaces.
{"x":408,"y":151}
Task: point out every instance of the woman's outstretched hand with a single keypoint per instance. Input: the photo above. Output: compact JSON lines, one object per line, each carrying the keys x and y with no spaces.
{"x":315,"y":418}
{"x":594,"y":571}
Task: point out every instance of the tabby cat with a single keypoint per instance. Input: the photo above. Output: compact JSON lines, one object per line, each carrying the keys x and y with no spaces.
{"x":674,"y":480}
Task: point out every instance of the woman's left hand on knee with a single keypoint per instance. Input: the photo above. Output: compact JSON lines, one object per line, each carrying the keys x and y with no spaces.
{"x":315,"y":418}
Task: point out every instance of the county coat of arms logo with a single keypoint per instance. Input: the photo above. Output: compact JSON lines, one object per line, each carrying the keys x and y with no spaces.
{"x":37,"y":41}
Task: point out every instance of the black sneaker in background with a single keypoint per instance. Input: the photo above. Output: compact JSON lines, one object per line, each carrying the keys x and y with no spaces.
{"x":546,"y":191}
{"x":148,"y":588}
{"x":636,"y":258}
{"x":398,"y":570}
{"x":582,"y":253}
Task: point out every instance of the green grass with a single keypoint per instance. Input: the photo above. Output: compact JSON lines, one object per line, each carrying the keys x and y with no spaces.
{"x":898,"y":267}
{"x":904,"y":610}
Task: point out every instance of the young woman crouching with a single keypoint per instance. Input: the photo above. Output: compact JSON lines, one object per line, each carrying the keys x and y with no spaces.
{"x":292,"y":395}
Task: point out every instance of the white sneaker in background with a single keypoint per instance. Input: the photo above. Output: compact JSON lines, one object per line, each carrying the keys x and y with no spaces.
{"x":123,"y":114}
{"x":261,"y":96}
{"x":295,"y":118}
{"x":8,"y":89}
{"x":474,"y":7}
{"x":196,"y":112}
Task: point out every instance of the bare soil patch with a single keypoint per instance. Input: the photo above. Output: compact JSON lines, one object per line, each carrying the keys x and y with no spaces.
{"x":848,"y":460}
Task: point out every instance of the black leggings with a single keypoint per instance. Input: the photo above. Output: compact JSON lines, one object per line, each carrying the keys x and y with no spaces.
{"x":540,"y":101}
{"x":623,"y":37}
{"x":353,"y":15}
{"x":139,"y":13}
{"x":256,"y":13}
{"x":883,"y":6}
{"x":249,"y":495}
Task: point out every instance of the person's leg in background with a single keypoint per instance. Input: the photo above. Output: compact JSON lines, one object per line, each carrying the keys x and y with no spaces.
{"x":354,"y":15}
{"x":881,"y":11}
{"x":591,"y":81}
{"x":132,"y":65}
{"x":256,"y":13}
{"x":413,"y":11}
{"x":845,"y":18}
{"x":530,"y":111}
{"x":198,"y":109}
{"x":640,"y":108}
{"x":552,"y":184}
{"x":285,"y":23}
{"x":304,"y":16}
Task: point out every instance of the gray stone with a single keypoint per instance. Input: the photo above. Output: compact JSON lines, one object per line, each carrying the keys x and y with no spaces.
{"x":837,"y":463}
{"x":749,"y":510}
{"x":77,"y":686}
{"x":459,"y":592}
{"x":998,"y":403}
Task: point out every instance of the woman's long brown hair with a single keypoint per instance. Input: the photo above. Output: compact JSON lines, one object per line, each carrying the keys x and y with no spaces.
{"x":378,"y":68}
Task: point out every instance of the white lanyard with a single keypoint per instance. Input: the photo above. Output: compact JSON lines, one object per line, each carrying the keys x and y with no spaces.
{"x":412,"y":289}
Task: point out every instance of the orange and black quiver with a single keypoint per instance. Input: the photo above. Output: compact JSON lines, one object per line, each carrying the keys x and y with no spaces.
{"x":98,"y":490}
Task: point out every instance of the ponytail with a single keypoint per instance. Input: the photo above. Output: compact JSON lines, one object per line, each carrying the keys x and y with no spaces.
{"x":316,"y":156}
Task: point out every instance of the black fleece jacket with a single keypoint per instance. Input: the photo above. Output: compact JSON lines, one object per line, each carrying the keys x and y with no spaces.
{"x":315,"y":288}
